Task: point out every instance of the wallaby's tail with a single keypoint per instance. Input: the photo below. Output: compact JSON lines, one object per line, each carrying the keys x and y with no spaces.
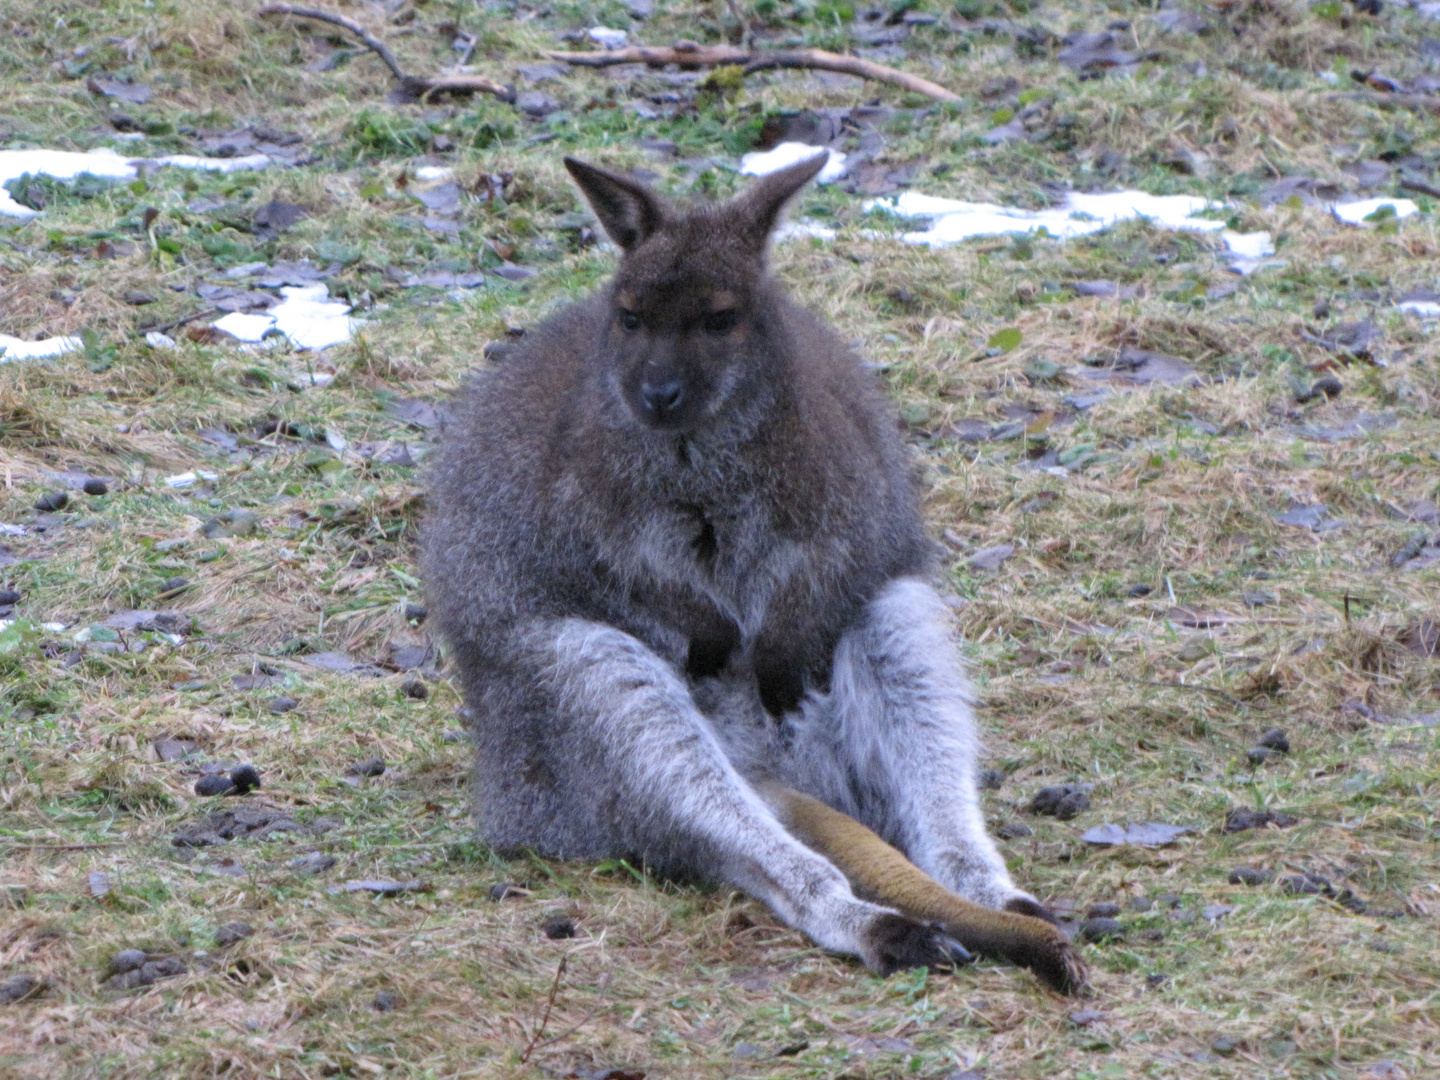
{"x":883,"y":874}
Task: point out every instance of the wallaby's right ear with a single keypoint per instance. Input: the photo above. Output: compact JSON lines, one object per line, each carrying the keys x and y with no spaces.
{"x":629,"y":210}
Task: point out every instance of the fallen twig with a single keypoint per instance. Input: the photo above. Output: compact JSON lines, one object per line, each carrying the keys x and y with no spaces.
{"x":688,"y":54}
{"x":1230,"y":698}
{"x":1420,"y":188}
{"x":545,"y":1016}
{"x":1414,"y":102}
{"x":183,"y":321}
{"x":412,"y":86}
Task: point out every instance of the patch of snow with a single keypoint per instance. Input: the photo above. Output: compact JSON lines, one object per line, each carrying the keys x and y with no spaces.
{"x":209,"y":164}
{"x":187,"y":479}
{"x":434,"y":172}
{"x":804,"y":228}
{"x":1427,"y":308}
{"x":307,"y":316}
{"x":953,"y":220}
{"x":762,"y":163}
{"x":610,"y":39}
{"x":1250,"y":251}
{"x":12,"y":348}
{"x":157,"y":340}
{"x":102,"y":162}
{"x":1355,"y":213}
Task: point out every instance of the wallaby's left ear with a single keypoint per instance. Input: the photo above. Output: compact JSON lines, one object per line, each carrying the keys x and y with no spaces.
{"x":629,"y":210}
{"x":758,"y":206}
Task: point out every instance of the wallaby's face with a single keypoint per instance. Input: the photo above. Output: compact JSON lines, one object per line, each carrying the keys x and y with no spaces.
{"x":684,"y":334}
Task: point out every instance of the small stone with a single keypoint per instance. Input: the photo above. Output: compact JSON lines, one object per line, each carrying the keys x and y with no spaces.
{"x":1275,"y":739}
{"x":1140,"y":903}
{"x":1156,"y":979}
{"x":1171,"y":900}
{"x":1224,"y":1045}
{"x":559,"y":927}
{"x":1013,"y":830}
{"x":95,"y":486}
{"x":415,"y":690}
{"x":385,"y":1001}
{"x":137,"y":297}
{"x":127,"y":960}
{"x":1063,"y":801}
{"x":1304,"y":885}
{"x":1330,"y":386}
{"x":1242,"y":818}
{"x":246,"y":779}
{"x":368,"y":767}
{"x":213,"y":784}
{"x":455,"y":735}
{"x":504,"y":890}
{"x":1249,"y":875}
{"x":990,"y":779}
{"x":281,"y":705}
{"x":1101,"y":930}
{"x":9,"y":597}
{"x":18,"y":988}
{"x":1259,"y":755}
{"x":231,"y":932}
{"x":1103,"y":910}
{"x":314,"y":862}
{"x":173,"y":584}
{"x":52,"y":501}
{"x":168,"y":749}
{"x":1152,"y":935}
{"x":415,"y":612}
{"x":167,"y":968}
{"x":1137,"y":590}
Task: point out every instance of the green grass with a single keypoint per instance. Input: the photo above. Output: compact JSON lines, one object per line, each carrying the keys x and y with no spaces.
{"x":1174,"y":488}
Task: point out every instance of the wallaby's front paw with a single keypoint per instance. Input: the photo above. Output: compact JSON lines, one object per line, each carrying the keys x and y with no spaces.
{"x":897,"y":943}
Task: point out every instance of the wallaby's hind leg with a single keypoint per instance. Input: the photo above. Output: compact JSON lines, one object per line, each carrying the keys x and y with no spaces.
{"x":881,"y":873}
{"x":632,"y":746}
{"x":893,"y":745}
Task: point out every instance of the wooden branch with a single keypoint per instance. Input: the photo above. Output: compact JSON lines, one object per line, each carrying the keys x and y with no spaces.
{"x":414,"y":86}
{"x":689,"y":55}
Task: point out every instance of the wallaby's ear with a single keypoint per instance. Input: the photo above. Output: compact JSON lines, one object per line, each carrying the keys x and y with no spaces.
{"x":628,"y":209}
{"x":759,"y":205}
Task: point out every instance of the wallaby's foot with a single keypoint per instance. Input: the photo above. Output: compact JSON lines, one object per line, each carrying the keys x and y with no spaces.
{"x":1050,"y":955}
{"x":897,"y":943}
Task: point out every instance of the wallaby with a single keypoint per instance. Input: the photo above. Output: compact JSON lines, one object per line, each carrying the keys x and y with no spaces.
{"x":675,"y":547}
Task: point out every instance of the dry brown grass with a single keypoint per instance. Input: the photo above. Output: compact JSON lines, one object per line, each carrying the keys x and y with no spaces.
{"x":1082,"y":680}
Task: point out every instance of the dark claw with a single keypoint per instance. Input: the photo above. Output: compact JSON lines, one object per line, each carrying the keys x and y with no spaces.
{"x":959,"y":955}
{"x":1021,"y":906}
{"x":902,"y":944}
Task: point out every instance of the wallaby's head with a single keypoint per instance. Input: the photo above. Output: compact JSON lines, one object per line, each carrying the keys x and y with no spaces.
{"x":687,"y":329}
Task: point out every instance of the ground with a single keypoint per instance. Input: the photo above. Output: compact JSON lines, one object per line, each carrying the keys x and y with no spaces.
{"x":1156,"y":556}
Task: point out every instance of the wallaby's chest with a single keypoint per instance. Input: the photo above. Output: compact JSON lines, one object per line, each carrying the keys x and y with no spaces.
{"x":729,"y":558}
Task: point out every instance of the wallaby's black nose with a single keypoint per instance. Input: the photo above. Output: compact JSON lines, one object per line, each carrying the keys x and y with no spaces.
{"x":663,"y":398}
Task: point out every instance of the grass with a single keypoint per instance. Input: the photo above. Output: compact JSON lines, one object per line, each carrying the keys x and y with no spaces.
{"x":1172,"y":488}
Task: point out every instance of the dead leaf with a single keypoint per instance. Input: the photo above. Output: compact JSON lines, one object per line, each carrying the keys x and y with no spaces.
{"x":1423,"y":639}
{"x":135,"y":93}
{"x":387,"y":888}
{"x":990,"y":558}
{"x":1150,"y":834}
{"x":1200,"y":620}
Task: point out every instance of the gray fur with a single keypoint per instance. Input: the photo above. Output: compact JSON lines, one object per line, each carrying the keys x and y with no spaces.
{"x":675,"y":547}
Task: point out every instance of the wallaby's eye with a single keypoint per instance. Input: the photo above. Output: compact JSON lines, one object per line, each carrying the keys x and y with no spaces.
{"x":629,"y":320}
{"x":721,"y":322}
